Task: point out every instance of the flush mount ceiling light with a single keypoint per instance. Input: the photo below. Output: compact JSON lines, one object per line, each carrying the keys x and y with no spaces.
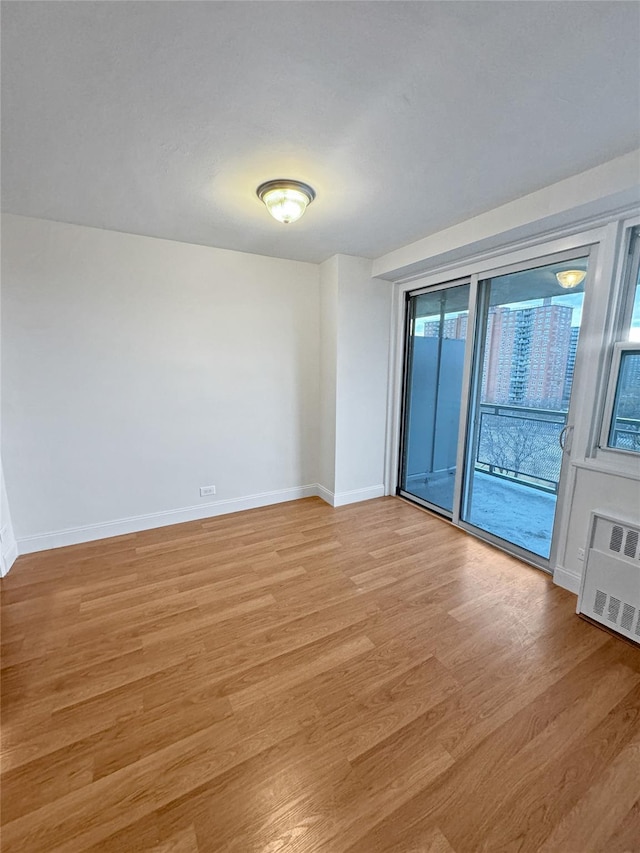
{"x":570,"y":278}
{"x":286,"y":200}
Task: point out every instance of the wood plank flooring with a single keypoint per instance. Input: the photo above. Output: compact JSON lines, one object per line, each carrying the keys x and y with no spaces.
{"x":297,"y":678}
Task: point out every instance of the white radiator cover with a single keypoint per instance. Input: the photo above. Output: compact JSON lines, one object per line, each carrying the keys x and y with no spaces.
{"x":610,"y":586}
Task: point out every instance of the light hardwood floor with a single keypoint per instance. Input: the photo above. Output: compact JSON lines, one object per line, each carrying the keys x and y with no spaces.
{"x":299,"y":678}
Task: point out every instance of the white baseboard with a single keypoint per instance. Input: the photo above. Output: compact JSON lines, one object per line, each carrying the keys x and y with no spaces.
{"x":356,"y":495}
{"x":326,"y":495}
{"x":566,"y":579}
{"x":8,"y":558}
{"x":134,"y":524}
{"x":137,"y":523}
{"x":350,"y":497}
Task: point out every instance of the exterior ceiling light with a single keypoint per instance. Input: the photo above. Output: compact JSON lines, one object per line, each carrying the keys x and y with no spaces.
{"x":570,"y":278}
{"x":286,"y":200}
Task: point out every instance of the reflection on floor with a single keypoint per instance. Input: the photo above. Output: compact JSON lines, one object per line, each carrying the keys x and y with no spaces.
{"x":512,"y":511}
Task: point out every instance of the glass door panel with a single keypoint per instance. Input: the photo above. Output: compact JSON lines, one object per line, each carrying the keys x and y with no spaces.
{"x":528,"y":327}
{"x":437,"y":330}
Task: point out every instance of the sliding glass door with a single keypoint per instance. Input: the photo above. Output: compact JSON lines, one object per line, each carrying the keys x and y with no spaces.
{"x":437,"y":331}
{"x":500,"y":403}
{"x":528,"y":328}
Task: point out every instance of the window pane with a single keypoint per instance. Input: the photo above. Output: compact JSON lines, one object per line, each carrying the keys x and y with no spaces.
{"x":438,"y":332}
{"x":625,"y":422}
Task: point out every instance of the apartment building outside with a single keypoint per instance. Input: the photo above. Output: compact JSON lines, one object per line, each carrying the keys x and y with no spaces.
{"x":529,"y":353}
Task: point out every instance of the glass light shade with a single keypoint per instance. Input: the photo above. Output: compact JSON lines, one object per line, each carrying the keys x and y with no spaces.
{"x":570,"y":278}
{"x":286,"y":201}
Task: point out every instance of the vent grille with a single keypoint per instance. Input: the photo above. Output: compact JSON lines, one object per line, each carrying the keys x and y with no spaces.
{"x":631,"y":543}
{"x":616,"y":538}
{"x":624,"y":541}
{"x":613,"y":607}
{"x":628,"y":612}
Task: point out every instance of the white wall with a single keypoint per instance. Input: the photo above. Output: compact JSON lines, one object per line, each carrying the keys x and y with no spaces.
{"x":355,"y":325}
{"x":328,"y":373}
{"x":364,"y":312}
{"x":136,"y":370}
{"x":8,"y":545}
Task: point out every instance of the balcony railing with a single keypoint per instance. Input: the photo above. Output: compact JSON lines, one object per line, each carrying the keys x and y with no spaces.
{"x":521,"y":444}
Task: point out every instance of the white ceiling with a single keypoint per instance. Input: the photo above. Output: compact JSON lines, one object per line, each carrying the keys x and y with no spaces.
{"x":161,"y":118}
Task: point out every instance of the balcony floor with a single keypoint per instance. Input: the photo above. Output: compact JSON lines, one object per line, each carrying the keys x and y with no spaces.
{"x":513,"y":511}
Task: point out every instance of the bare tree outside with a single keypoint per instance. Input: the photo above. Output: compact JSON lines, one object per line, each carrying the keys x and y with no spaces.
{"x":515,"y":446}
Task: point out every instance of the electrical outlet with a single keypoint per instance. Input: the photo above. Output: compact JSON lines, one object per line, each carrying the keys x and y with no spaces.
{"x":581,"y":553}
{"x":207,"y":490}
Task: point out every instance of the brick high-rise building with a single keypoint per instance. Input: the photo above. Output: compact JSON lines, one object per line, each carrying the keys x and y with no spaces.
{"x":529,"y":353}
{"x":571,"y":364}
{"x":453,"y":328}
{"x":526,"y":355}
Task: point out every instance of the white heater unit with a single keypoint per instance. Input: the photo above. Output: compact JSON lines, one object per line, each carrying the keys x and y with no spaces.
{"x":610,"y":587}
